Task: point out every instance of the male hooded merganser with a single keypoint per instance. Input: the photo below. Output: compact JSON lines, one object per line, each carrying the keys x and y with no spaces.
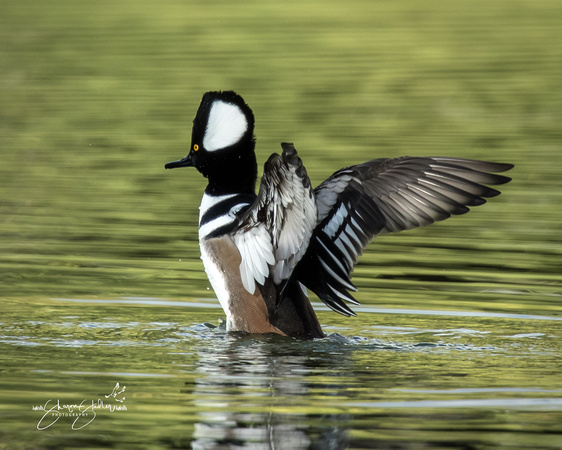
{"x":261,"y":252}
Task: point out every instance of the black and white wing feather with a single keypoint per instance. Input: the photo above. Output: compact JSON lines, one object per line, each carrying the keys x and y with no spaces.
{"x":380,"y":196}
{"x":275,"y":231}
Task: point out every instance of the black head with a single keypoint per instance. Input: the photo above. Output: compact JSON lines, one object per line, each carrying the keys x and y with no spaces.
{"x":222,"y":143}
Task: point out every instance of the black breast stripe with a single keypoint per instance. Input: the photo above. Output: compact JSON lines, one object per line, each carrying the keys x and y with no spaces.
{"x":225,"y":206}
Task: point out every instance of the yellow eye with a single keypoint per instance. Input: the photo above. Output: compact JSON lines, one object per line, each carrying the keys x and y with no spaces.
{"x":195,"y":147}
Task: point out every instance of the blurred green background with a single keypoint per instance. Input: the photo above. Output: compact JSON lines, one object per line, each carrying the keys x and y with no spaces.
{"x":96,"y":96}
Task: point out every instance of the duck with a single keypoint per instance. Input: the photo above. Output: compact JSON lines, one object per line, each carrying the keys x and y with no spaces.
{"x":263,"y":252}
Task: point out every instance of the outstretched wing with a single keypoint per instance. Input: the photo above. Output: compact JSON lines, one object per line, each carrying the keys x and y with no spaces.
{"x":275,"y":231}
{"x":380,"y":196}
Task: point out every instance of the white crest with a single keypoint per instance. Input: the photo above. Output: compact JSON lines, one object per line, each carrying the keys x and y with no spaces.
{"x":227,"y":124}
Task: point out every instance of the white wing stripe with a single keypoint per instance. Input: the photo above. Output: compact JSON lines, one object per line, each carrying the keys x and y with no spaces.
{"x":336,"y":260}
{"x":346,"y":283}
{"x":351,"y":233}
{"x":351,"y":249}
{"x":344,"y":250}
{"x":333,"y":225}
{"x":343,"y":296}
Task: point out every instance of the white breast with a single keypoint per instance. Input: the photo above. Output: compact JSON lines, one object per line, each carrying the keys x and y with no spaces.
{"x":217,"y":278}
